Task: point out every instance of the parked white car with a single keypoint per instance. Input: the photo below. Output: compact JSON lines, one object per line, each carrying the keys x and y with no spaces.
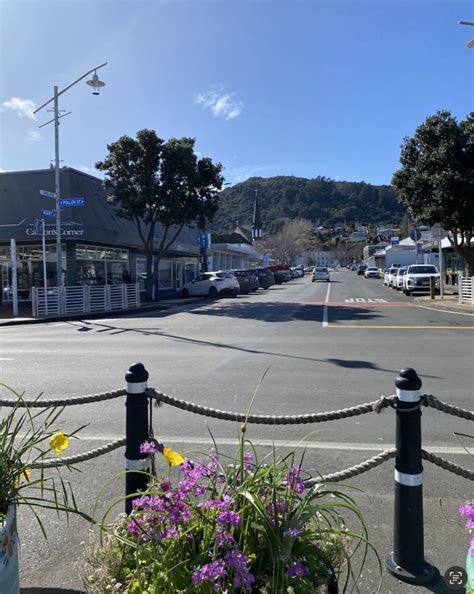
{"x":320,"y":273}
{"x":398,"y":278}
{"x":212,"y":284}
{"x":372,"y":272}
{"x":417,"y":278}
{"x":388,"y":276}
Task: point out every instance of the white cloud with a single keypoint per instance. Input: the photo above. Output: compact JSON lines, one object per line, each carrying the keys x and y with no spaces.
{"x":23,"y":107}
{"x":33,"y":135}
{"x":221,"y":104}
{"x":2,"y":170}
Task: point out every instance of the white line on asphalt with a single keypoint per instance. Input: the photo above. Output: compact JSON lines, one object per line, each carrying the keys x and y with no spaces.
{"x":325,"y":312}
{"x":281,"y":443}
{"x":457,"y":313}
{"x":7,"y":359}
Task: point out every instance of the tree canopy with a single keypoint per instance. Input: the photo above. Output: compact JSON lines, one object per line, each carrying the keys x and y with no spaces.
{"x":161,"y":186}
{"x":436,"y":180}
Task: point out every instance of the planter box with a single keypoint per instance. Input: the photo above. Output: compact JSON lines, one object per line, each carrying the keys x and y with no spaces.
{"x":9,"y":569}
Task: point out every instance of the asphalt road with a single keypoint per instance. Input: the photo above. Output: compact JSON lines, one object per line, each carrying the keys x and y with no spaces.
{"x":323,"y":346}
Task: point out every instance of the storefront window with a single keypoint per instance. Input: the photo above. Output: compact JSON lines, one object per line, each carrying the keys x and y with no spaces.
{"x":165,"y":274}
{"x":100,"y":266}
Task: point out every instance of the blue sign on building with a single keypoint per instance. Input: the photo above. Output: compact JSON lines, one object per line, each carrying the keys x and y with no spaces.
{"x":203,"y":240}
{"x":39,"y":227}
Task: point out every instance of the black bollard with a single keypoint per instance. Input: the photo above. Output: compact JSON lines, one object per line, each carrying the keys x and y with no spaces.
{"x":407,"y":560}
{"x":136,"y":431}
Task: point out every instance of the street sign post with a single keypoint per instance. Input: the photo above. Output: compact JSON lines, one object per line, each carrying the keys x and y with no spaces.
{"x":66,"y":202}
{"x":203,"y":240}
{"x":48,"y":213}
{"x":438,"y":234}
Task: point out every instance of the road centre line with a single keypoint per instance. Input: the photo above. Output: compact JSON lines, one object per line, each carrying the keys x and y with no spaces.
{"x":281,"y":443}
{"x":432,"y":327}
{"x":325,"y":311}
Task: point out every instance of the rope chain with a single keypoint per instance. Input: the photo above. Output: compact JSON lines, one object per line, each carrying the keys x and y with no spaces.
{"x":433,"y":402}
{"x":375,"y":406}
{"x":70,"y":460}
{"x":64,"y":401}
{"x":355,"y":470}
{"x":446,"y":465}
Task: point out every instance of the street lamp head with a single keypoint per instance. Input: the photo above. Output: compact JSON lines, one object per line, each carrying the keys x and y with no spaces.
{"x":96,"y":84}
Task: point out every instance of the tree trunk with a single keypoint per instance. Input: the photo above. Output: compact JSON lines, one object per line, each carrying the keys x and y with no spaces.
{"x":466,"y":253}
{"x":149,"y":276}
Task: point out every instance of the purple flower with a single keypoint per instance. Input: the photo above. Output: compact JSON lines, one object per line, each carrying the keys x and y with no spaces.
{"x":210,"y":572}
{"x":293,"y":479}
{"x":200,"y":491}
{"x":230,"y":517}
{"x":292,"y":533}
{"x":239,"y":563}
{"x":148,"y":447}
{"x":467,"y":509}
{"x":169,"y":533}
{"x":297,"y":570}
{"x":248,"y":461}
{"x":165,"y":485}
{"x":224,"y":537}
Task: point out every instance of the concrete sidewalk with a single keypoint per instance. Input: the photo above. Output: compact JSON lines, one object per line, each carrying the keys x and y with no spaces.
{"x":448,"y":303}
{"x":24,"y":317}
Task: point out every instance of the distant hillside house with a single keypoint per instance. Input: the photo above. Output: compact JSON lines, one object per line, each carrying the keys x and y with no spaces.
{"x":358,"y":236}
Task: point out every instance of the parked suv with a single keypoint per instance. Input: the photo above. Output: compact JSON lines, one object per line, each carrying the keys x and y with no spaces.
{"x":212,"y":284}
{"x":265,"y":277}
{"x":397,"y":278}
{"x":246,"y":281}
{"x":417,"y":278}
{"x":320,"y":273}
{"x":372,"y":272}
{"x":361,"y":268}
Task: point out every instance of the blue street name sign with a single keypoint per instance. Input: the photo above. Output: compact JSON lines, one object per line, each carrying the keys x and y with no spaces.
{"x":39,"y":227}
{"x":203,"y":240}
{"x":72,"y":202}
{"x":48,"y":213}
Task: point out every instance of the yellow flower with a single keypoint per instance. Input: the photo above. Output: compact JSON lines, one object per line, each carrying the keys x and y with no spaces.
{"x":26,"y":474}
{"x":173,"y":458}
{"x":59,"y":442}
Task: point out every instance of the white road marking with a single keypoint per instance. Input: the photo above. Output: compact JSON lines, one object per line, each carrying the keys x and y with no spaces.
{"x":439,"y":309}
{"x":325,"y":312}
{"x":7,"y":359}
{"x":281,"y":443}
{"x":363,"y":300}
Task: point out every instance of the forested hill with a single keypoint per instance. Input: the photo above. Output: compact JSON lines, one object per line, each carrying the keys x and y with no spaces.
{"x":321,"y":200}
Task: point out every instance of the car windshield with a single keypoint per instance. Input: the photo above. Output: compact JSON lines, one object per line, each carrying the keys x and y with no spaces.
{"x":423,"y":269}
{"x":320,"y":269}
{"x":224,"y":275}
{"x":401,"y":271}
{"x":373,"y":269}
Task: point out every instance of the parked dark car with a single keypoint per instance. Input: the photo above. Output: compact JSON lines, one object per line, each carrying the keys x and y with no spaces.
{"x":265,"y":277}
{"x":361,"y":268}
{"x":246,"y":281}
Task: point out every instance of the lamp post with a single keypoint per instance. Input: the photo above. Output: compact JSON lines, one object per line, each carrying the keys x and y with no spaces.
{"x":471,"y":42}
{"x":96,"y":84}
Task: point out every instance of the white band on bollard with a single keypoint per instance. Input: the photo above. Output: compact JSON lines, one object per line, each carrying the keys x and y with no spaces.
{"x":409,"y":480}
{"x":138,"y":388}
{"x":142,"y":464}
{"x":409,"y":395}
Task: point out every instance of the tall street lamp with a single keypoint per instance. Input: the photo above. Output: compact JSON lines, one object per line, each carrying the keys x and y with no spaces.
{"x":469,"y":43}
{"x":96,"y":84}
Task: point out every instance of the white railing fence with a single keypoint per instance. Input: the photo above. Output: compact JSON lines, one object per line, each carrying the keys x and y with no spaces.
{"x":466,"y":289}
{"x":83,"y":299}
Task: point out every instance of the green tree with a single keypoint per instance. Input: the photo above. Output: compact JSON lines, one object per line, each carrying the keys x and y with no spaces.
{"x":436,"y":180}
{"x":160,"y":186}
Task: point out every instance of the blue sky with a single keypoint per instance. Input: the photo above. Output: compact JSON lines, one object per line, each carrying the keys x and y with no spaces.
{"x":267,"y":87}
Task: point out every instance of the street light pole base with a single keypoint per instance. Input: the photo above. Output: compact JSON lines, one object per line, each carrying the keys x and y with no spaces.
{"x":423,"y":575}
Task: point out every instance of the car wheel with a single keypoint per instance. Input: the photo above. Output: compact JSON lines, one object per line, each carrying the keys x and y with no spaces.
{"x":213,"y":293}
{"x":184,"y":293}
{"x":235,"y":292}
{"x":393,"y":287}
{"x":329,"y":280}
{"x":312,"y":280}
{"x":407,"y":293}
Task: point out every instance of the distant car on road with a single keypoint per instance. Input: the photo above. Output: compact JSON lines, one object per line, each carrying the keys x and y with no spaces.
{"x":320,"y":273}
{"x":417,"y":278}
{"x":372,"y":272}
{"x":361,"y":268}
{"x":212,"y":284}
{"x":397,"y":282}
{"x":388,"y":276}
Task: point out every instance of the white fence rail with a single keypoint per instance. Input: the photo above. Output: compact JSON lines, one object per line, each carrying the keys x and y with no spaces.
{"x":83,"y":299}
{"x":466,"y":289}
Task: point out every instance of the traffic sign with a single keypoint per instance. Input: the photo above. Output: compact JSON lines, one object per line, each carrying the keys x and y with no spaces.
{"x":394,"y":240}
{"x":39,"y":227}
{"x":47,"y":194}
{"x":415,"y":234}
{"x":48,"y":213}
{"x":204,"y":240}
{"x":437,"y":232}
{"x":65,"y":202}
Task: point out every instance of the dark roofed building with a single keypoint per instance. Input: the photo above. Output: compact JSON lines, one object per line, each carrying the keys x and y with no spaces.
{"x":98,"y":246}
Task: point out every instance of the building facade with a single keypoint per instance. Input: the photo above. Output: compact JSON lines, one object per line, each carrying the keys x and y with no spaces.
{"x":98,"y":247}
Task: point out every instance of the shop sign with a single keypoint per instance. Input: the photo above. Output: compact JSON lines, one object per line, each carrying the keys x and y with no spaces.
{"x":33,"y":231}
